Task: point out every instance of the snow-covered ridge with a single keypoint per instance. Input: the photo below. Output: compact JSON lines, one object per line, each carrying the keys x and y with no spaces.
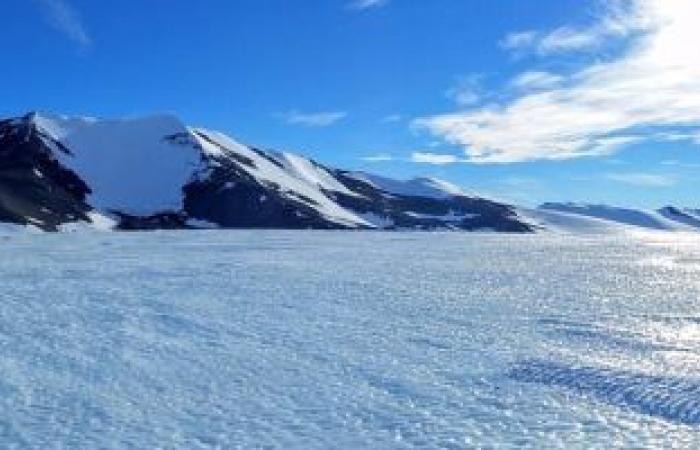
{"x":293,"y":175}
{"x":686,"y":216}
{"x":567,"y":222}
{"x":156,"y":172}
{"x":590,"y":217}
{"x":422,"y":187}
{"x":123,"y":159}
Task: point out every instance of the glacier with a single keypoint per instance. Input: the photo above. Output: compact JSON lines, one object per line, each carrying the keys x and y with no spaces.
{"x":329,"y":339}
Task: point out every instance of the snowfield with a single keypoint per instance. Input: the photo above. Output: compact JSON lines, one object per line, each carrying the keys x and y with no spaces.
{"x":220,"y":339}
{"x":126,"y":162}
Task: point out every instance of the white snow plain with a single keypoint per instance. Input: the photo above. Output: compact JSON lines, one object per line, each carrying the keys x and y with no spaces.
{"x":224,"y":339}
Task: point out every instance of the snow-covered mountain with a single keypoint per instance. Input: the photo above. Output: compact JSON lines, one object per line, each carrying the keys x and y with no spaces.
{"x":602,"y":218}
{"x":59,"y":173}
{"x":68,"y":173}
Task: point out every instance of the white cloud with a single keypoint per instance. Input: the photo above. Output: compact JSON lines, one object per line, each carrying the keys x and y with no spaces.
{"x":467,"y":91}
{"x":655,"y":83}
{"x":367,"y":4}
{"x":642,"y":179}
{"x":420,"y":157}
{"x":379,"y":157}
{"x":392,"y":118}
{"x":679,"y":164}
{"x":535,"y":79}
{"x":566,"y":39}
{"x":64,"y":18}
{"x":319,"y":119}
{"x":620,"y":18}
{"x":434,"y":158}
{"x":609,"y":145}
{"x":676,"y":136}
{"x":519,"y":40}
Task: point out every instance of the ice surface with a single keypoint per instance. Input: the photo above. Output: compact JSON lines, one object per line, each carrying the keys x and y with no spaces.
{"x":11,"y":228}
{"x":98,"y":222}
{"x":378,"y":220}
{"x":207,"y":339}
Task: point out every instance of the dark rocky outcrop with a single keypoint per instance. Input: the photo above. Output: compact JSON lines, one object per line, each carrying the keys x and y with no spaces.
{"x":34,"y":187}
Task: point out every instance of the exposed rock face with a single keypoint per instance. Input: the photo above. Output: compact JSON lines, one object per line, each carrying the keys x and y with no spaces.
{"x":685,"y":216}
{"x":156,"y":173}
{"x":397,"y":211}
{"x":34,"y":187}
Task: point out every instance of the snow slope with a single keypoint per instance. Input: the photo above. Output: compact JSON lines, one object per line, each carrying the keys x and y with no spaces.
{"x":568,"y":222}
{"x":613,"y":217}
{"x":310,"y":172}
{"x":140,"y":166}
{"x":294,"y":176}
{"x":11,"y":228}
{"x":130,"y":164}
{"x":419,"y":187}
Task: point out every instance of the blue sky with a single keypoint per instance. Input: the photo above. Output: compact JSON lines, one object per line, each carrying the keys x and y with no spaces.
{"x":524,"y":101}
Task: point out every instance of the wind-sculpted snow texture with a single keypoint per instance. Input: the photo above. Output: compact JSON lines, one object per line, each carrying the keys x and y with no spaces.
{"x":671,"y":398}
{"x":309,"y":339}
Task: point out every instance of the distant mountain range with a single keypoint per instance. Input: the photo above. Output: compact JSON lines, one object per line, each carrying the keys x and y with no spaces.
{"x":62,"y":173}
{"x":588,"y":218}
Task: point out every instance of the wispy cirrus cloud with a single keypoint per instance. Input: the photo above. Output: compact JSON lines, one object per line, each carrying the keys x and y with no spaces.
{"x":677,"y":136}
{"x":680,"y":164}
{"x":536,"y":79}
{"x":438,"y":159}
{"x":598,"y":109}
{"x":419,"y":157}
{"x":642,"y":179}
{"x":378,"y":157}
{"x":316,"y":119}
{"x":467,"y":90}
{"x":519,"y":40}
{"x":392,"y":118}
{"x":617,"y":20}
{"x":65,"y":19}
{"x":361,"y":5}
